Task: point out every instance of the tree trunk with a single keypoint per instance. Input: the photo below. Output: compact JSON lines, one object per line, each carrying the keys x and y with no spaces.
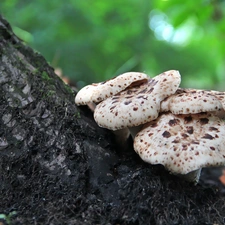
{"x":58,"y":167}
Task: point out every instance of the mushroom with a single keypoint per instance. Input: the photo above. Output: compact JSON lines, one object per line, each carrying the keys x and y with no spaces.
{"x":186,"y":101}
{"x":136,"y":105}
{"x":183,"y":143}
{"x":97,"y":92}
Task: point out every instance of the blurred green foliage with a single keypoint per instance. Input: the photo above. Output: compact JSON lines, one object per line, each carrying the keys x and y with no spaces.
{"x":96,"y":40}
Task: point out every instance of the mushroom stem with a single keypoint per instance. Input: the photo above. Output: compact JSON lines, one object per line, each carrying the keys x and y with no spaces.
{"x":135,"y":130}
{"x":122,"y":136}
{"x":192,"y":176}
{"x":91,"y":106}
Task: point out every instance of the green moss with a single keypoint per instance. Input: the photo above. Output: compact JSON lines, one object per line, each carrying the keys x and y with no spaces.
{"x":8,"y":217}
{"x":35,"y":71}
{"x":45,"y":76}
{"x":68,"y":88}
{"x":50,"y":93}
{"x":77,"y":115}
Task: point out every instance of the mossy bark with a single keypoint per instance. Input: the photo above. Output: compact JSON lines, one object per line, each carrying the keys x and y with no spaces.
{"x":58,"y":167}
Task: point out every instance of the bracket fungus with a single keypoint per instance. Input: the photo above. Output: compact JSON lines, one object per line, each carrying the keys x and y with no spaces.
{"x":97,"y":92}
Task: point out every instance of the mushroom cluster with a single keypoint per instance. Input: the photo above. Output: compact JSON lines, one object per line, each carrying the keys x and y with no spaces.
{"x":182,"y":129}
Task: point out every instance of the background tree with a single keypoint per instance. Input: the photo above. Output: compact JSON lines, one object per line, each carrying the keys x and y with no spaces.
{"x":95,"y":43}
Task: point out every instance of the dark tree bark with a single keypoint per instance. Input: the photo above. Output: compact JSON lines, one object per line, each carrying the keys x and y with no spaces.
{"x":58,"y":167}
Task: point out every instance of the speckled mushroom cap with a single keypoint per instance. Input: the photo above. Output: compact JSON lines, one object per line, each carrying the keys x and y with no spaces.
{"x":186,"y":101}
{"x":183,"y":143}
{"x":97,"y":92}
{"x":136,"y":105}
{"x":220,"y":96}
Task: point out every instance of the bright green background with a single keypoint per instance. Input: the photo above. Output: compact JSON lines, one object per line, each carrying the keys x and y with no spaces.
{"x":93,"y":40}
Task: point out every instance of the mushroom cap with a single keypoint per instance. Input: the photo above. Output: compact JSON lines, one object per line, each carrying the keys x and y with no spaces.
{"x":220,"y":96}
{"x":136,"y":105}
{"x":186,"y":101}
{"x":183,"y":143}
{"x":97,"y":92}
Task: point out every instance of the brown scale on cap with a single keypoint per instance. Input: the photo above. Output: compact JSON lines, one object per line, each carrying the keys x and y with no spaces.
{"x":136,"y":105}
{"x":183,"y":143}
{"x":191,"y":101}
{"x":97,"y":92}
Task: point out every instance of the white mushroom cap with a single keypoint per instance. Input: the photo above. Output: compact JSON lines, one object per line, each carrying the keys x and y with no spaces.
{"x":183,"y":143}
{"x":136,"y":105}
{"x":220,"y":96}
{"x":97,"y":92}
{"x":186,"y":101}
